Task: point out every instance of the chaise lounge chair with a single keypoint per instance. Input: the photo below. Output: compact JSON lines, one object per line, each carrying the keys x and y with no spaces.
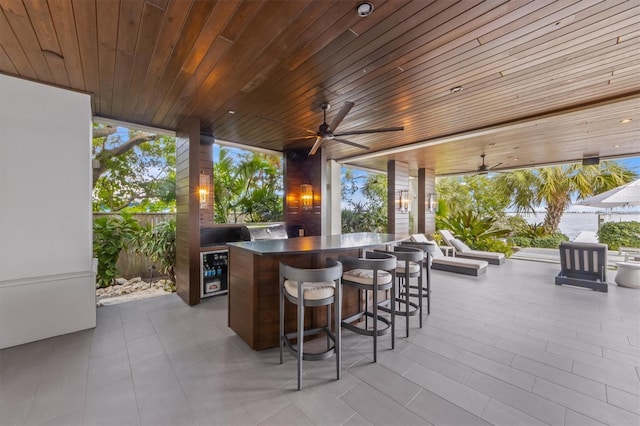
{"x":583,"y":265}
{"x":444,"y":263}
{"x":463,"y":250}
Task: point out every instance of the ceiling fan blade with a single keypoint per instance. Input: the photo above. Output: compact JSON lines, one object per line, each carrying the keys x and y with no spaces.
{"x":346,"y":107}
{"x":285,"y":123}
{"x":316,"y":145}
{"x":494,"y":166}
{"x":299,"y":138}
{"x":364,"y":132}
{"x":357,"y":145}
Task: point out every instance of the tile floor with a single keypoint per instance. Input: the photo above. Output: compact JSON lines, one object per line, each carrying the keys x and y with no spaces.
{"x":509,"y":348}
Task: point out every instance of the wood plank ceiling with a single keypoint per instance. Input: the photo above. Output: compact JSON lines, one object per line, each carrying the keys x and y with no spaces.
{"x":543,"y":81}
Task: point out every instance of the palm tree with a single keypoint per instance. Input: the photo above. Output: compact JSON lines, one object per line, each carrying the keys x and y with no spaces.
{"x":554,"y":187}
{"x":247,"y":187}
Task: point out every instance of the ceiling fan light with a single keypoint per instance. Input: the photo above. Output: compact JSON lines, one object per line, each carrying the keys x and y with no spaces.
{"x":364,"y":9}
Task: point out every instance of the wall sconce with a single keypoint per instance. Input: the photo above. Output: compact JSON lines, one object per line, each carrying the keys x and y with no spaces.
{"x":306,"y":196}
{"x":203,"y":190}
{"x":404,"y":201}
{"x":433,"y":203}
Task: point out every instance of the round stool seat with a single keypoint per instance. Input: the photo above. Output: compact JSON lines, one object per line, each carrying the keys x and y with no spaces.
{"x":365,"y":276}
{"x":312,"y":290}
{"x":628,"y":274}
{"x":414,"y":268}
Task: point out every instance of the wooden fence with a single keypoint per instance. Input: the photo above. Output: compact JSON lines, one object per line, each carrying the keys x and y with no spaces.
{"x":130,"y":263}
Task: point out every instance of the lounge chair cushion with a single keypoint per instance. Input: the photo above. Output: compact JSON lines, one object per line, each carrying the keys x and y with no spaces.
{"x":419,"y":238}
{"x":452,"y":264}
{"x":460,"y":265}
{"x":459,"y":245}
{"x":495,"y":258}
{"x":447,"y":236}
{"x":460,"y":261}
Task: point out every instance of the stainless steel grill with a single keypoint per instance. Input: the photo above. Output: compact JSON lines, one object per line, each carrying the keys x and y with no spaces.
{"x":265,"y":231}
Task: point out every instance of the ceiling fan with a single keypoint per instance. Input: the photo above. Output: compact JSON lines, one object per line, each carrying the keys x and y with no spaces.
{"x":484,"y":169}
{"x":327,"y":132}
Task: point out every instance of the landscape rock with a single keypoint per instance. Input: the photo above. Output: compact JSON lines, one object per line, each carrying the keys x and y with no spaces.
{"x":124,"y":290}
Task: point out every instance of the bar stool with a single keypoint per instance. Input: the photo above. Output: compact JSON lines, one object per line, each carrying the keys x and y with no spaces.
{"x":311,"y":287}
{"x":377,"y":271}
{"x":427,"y":249}
{"x":408,"y":265}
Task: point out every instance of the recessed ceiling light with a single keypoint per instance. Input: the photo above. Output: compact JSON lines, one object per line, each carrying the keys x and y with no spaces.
{"x":364,"y":9}
{"x":616,"y":146}
{"x":231,"y":112}
{"x":515,"y":159}
{"x":626,"y":120}
{"x":456,"y":89}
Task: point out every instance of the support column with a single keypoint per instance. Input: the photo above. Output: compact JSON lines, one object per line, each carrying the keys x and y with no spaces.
{"x":427,"y":201}
{"x":398,"y":198}
{"x":187,"y":210}
{"x":301,"y":213}
{"x":334,"y":198}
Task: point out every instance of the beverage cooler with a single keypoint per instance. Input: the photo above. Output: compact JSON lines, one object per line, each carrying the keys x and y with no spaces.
{"x":214,"y":273}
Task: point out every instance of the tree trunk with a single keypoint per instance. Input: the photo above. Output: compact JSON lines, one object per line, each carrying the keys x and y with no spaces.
{"x":553,"y":215}
{"x":106,"y":154}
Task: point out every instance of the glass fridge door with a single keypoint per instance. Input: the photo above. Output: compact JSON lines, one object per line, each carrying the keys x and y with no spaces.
{"x":214,"y":272}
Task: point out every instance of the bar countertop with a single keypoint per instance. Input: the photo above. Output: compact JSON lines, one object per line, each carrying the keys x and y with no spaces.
{"x":326,"y":243}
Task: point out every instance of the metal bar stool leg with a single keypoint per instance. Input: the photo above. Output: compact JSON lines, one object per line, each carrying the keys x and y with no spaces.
{"x":375,"y":319}
{"x":300,"y":333}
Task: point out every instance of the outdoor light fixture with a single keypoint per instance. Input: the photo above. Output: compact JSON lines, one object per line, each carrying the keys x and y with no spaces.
{"x":306,"y":196}
{"x":433,"y":203}
{"x":592,"y":160}
{"x":404,"y":201}
{"x":364,"y":9}
{"x":203,"y":190}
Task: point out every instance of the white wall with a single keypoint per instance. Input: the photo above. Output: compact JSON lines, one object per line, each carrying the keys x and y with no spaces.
{"x":47,"y":286}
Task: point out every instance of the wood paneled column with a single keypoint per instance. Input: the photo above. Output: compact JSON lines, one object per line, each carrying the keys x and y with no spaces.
{"x":188,"y":211}
{"x":397,"y":181}
{"x":426,"y":215}
{"x":299,"y":169}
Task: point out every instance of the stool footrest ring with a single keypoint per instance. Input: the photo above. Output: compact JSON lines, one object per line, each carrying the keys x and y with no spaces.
{"x":346,"y":323}
{"x":311,"y":356}
{"x":414,"y":309}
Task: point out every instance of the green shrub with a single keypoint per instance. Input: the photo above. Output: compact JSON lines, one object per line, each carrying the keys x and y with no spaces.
{"x":533,"y":231}
{"x":111,"y":234}
{"x":470,"y":227}
{"x":549,"y":241}
{"x":159,"y":244}
{"x":620,"y":234}
{"x":521,"y":241}
{"x":492,"y":244}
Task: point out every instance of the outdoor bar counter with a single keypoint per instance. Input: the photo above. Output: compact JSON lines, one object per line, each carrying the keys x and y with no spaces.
{"x":254,"y":275}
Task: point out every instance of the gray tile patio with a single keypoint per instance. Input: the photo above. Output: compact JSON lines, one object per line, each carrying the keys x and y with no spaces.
{"x":509,"y":348}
